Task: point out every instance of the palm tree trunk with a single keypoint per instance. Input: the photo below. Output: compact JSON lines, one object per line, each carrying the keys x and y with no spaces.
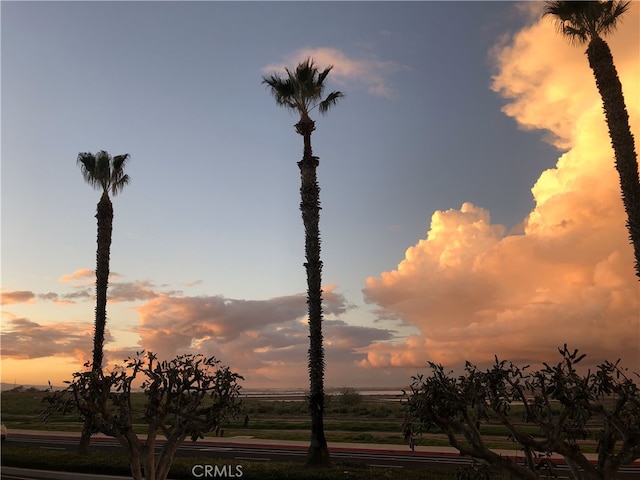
{"x":610,"y":88}
{"x":318,"y":453}
{"x":105,"y":225}
{"x":104,"y":216}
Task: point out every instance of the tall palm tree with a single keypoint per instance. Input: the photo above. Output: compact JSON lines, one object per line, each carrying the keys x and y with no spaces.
{"x":587,"y":22}
{"x":107,"y":175}
{"x":301,"y":91}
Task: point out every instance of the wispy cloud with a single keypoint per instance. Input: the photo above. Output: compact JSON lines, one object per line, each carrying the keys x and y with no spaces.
{"x":132,"y":291}
{"x":369,"y":72}
{"x":67,"y":298}
{"x":82,"y":276}
{"x":17,"y":296}
{"x":23,"y":338}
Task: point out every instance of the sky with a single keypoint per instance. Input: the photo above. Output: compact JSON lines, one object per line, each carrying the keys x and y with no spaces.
{"x":470,"y":207}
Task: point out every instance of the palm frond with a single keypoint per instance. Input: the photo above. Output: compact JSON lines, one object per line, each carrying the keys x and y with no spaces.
{"x":103,"y":168}
{"x":302,"y":89}
{"x":119,"y":179}
{"x":103,"y":172}
{"x":118,"y":184}
{"x":120,"y":160}
{"x":324,"y":74}
{"x":612,"y":13}
{"x":87,"y":163}
{"x":329,"y":102}
{"x":305,"y":71}
{"x":279,"y":86}
{"x":581,"y":21}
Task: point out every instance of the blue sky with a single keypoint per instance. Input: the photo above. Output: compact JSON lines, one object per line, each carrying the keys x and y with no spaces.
{"x":212,"y":208}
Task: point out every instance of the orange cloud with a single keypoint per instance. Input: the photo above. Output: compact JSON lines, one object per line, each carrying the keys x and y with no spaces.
{"x":266,"y":340}
{"x":473,"y":291}
{"x":17,"y":296}
{"x":170,"y":324}
{"x":551,"y":92}
{"x":25,"y":339}
{"x":82,"y":276}
{"x":131,"y":291}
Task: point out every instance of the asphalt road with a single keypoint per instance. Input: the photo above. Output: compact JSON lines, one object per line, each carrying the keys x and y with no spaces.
{"x":238,"y":449}
{"x":249,"y":449}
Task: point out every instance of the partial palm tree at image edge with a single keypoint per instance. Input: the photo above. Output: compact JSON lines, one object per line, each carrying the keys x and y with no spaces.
{"x":586,"y":22}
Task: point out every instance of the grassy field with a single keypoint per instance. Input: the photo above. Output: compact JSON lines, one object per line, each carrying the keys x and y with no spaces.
{"x":365,"y":421}
{"x":380,"y":422}
{"x":352,"y":420}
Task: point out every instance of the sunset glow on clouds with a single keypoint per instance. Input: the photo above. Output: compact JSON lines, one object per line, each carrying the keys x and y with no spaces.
{"x":474,"y":292}
{"x":16,"y":297}
{"x":83,"y":276}
{"x":467,"y":289}
{"x":23,"y":339}
{"x":268,"y":338}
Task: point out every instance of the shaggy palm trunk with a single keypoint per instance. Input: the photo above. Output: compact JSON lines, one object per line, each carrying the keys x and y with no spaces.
{"x":318,"y":453}
{"x":105,"y":225}
{"x":104,"y":216}
{"x":604,"y":71}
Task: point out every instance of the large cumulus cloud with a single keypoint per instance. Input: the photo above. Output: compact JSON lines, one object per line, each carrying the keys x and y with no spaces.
{"x":473,"y":291}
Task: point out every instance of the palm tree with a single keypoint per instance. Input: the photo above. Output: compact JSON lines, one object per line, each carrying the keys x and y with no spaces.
{"x":302,"y":91}
{"x":107,"y":175}
{"x":587,"y":22}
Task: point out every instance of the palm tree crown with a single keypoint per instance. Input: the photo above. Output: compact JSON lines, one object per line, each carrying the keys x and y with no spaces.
{"x":303,"y":89}
{"x":103,"y":172}
{"x":581,"y":21}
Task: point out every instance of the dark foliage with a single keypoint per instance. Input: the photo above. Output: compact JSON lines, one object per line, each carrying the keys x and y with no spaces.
{"x":185,"y":397}
{"x":566,"y":407}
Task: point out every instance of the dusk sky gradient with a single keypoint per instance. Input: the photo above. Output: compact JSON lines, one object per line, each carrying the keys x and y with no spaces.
{"x":470,"y":207}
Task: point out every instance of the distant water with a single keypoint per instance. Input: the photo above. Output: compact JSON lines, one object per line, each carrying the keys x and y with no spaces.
{"x":299,"y":394}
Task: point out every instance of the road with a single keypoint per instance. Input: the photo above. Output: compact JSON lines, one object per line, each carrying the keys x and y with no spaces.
{"x":238,"y":449}
{"x":249,"y":449}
